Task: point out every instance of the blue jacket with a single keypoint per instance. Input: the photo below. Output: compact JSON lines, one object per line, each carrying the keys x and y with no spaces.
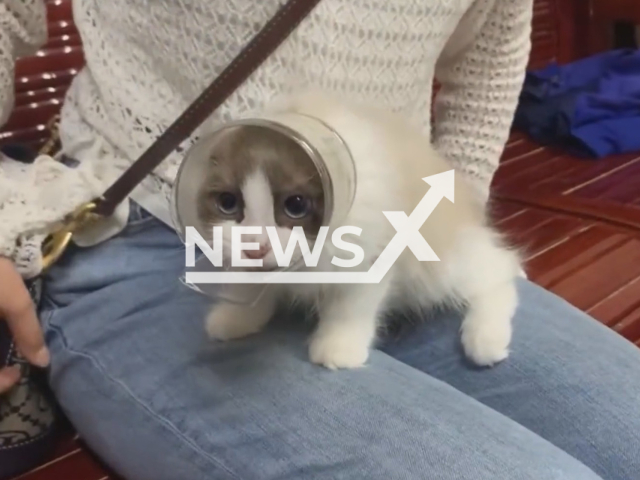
{"x":590,"y":107}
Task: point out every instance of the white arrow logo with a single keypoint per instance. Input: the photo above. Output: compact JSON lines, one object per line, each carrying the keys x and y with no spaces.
{"x":407,"y":235}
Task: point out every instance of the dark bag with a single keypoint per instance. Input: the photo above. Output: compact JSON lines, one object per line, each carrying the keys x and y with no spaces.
{"x":28,"y":419}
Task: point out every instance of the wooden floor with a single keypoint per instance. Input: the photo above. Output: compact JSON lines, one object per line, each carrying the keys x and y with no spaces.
{"x":579,"y":221}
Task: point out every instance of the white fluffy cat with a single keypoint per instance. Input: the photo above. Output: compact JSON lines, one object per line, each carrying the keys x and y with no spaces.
{"x":269,"y":183}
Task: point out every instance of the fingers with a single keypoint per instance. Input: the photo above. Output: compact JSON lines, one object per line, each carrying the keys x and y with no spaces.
{"x":18,"y":310}
{"x":9,"y":376}
{"x":23,"y":323}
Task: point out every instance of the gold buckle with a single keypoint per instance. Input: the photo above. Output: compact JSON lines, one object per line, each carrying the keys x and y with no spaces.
{"x":56,"y":243}
{"x":54,"y":135}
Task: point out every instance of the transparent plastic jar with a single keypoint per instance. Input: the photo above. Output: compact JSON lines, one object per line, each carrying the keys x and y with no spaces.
{"x":326,"y":149}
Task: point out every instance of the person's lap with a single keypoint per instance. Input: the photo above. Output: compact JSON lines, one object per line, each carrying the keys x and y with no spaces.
{"x":134,"y":371}
{"x":569,"y":379}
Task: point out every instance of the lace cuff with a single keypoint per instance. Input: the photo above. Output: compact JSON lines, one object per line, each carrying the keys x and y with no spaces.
{"x":34,"y":199}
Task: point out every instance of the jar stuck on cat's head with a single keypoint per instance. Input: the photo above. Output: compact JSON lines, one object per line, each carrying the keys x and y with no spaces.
{"x":281,"y":170}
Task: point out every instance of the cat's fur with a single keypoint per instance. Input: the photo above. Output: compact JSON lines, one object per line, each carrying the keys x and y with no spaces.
{"x":476,"y":271}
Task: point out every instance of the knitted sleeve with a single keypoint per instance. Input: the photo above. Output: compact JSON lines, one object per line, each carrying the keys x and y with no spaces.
{"x":481,"y":72}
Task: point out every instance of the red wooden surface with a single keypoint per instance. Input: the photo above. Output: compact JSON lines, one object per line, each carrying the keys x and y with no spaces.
{"x":578,"y":220}
{"x":603,"y":16}
{"x":43,"y":79}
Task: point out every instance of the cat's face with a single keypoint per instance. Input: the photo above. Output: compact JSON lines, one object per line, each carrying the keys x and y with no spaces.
{"x":259,"y":178}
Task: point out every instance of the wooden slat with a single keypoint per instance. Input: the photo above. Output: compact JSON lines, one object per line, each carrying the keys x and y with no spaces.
{"x":76,"y":465}
{"x":544,"y":36}
{"x":621,"y":309}
{"x":31,"y":96}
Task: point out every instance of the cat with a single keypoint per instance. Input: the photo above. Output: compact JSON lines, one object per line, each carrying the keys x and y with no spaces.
{"x":258,"y":177}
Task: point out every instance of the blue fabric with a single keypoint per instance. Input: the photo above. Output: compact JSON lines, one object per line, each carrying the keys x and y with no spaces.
{"x":157,"y":400}
{"x":590,"y":107}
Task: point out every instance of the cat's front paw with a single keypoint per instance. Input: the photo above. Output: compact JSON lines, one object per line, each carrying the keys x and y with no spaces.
{"x":229,"y":322}
{"x":486,"y":344}
{"x":338,"y":350}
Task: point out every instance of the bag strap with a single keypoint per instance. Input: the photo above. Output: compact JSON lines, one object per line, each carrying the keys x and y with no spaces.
{"x":249,"y":59}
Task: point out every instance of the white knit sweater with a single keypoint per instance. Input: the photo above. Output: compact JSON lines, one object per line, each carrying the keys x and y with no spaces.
{"x":147,"y":60}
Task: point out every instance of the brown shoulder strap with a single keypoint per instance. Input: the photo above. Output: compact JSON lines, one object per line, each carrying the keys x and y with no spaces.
{"x":249,"y":59}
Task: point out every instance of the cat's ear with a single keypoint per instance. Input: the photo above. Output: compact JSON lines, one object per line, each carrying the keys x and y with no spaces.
{"x":224,"y":145}
{"x":229,"y":135}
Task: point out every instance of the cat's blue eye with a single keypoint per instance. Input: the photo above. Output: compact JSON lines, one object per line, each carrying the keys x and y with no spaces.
{"x":228,"y":203}
{"x":296,"y":206}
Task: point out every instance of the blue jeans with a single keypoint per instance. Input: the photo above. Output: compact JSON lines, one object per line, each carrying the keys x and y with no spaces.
{"x":136,"y":374}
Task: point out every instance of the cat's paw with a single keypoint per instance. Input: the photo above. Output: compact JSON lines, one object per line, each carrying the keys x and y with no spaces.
{"x":338,"y":350}
{"x":229,"y":322}
{"x":486,"y":343}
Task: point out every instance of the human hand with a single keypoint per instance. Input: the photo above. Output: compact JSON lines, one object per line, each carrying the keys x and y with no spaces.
{"x":18,"y":310}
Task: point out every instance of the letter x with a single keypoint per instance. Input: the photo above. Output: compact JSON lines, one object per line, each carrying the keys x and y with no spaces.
{"x":408,"y":233}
